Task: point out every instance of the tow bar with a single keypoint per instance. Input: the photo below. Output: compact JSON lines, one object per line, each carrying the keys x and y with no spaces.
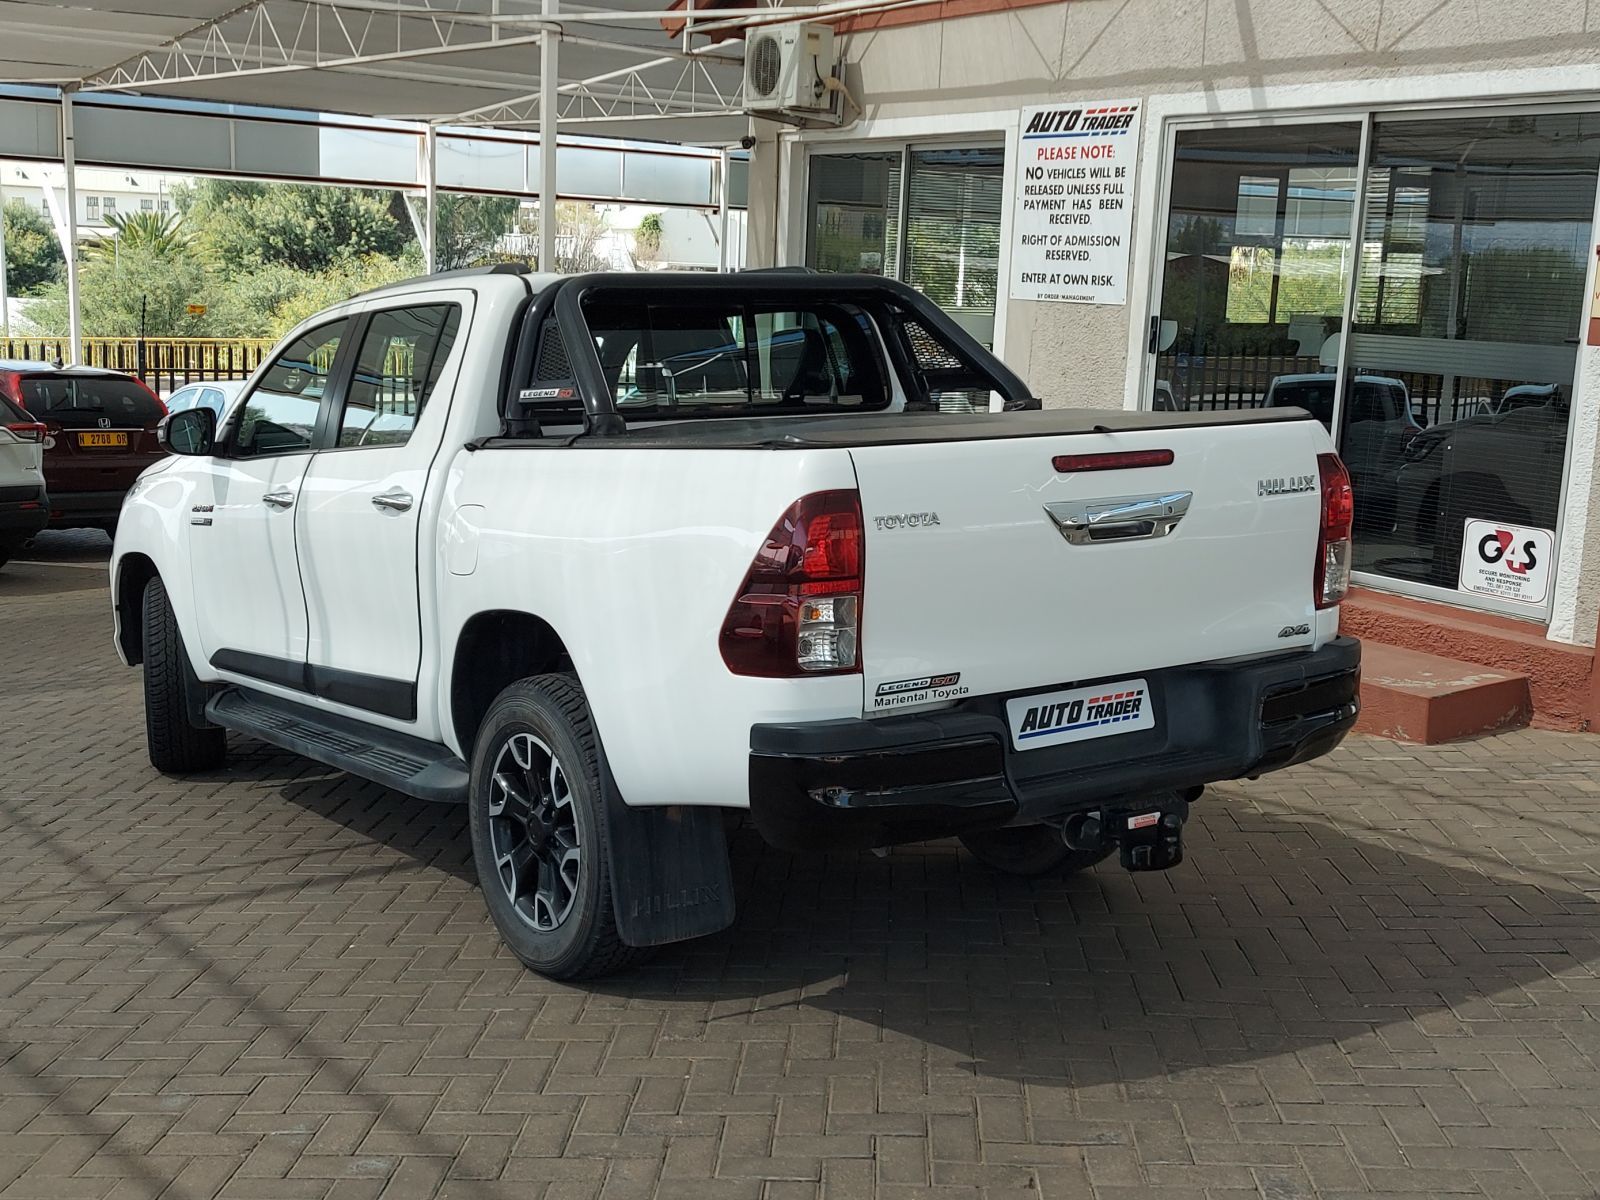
{"x":1148,"y":833}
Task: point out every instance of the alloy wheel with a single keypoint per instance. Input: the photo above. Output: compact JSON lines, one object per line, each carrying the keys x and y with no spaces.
{"x":533,"y":829}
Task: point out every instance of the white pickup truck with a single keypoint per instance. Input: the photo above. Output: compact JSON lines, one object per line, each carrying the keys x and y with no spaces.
{"x":605,"y":556}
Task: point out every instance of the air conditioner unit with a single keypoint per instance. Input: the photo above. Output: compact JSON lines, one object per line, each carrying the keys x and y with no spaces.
{"x":786,"y":68}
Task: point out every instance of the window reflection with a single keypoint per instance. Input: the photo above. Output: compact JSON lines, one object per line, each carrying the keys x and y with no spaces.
{"x":1470,"y":291}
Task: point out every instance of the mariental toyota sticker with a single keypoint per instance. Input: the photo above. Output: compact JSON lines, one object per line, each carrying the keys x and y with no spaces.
{"x":1511,"y":562}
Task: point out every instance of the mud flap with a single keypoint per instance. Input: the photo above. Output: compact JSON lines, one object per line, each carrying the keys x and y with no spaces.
{"x":670,"y":878}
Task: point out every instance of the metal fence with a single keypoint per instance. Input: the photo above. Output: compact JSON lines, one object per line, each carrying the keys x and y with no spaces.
{"x":1213,"y":381}
{"x":165,"y":364}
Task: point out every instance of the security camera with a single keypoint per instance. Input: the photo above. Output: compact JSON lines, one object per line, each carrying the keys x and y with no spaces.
{"x":747,"y":142}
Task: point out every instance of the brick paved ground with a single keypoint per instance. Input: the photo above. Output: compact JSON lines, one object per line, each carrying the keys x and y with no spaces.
{"x":1374,"y":976}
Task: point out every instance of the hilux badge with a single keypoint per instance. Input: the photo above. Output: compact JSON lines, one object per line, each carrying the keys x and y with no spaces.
{"x":1285,"y":485}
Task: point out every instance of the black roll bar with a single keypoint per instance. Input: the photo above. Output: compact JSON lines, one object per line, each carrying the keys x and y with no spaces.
{"x":869,"y":291}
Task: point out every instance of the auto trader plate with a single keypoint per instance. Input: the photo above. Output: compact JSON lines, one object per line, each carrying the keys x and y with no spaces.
{"x":1079,"y":714}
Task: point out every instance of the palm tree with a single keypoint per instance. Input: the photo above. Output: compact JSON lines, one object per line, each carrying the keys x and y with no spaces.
{"x":157,"y":233}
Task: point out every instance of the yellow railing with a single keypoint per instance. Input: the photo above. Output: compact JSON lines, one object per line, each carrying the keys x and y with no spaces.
{"x":163,"y":362}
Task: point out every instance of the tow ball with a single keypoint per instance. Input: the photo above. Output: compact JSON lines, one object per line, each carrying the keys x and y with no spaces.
{"x":1148,"y":834}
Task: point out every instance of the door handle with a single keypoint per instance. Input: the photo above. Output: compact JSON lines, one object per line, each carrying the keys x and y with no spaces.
{"x":1119,"y":518}
{"x":282,"y":498}
{"x":394,"y":501}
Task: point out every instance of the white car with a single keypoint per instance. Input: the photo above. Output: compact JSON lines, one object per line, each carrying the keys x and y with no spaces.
{"x":215,"y":394}
{"x":603,"y":556}
{"x":24,"y":507}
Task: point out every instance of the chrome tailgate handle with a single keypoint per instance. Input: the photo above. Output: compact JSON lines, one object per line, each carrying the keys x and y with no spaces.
{"x":1119,"y":518}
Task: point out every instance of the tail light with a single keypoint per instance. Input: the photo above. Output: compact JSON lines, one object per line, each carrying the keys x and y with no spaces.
{"x":1331,"y":578}
{"x":28,"y":431}
{"x":798,"y":611}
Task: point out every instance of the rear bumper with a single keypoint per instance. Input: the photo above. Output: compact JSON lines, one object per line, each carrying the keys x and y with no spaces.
{"x":86,"y":508}
{"x":23,"y":512}
{"x":861,"y":783}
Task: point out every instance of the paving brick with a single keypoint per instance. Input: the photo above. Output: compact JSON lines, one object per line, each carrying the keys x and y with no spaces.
{"x":1374,"y":975}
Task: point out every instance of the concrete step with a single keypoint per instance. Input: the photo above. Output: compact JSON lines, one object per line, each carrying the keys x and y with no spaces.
{"x":1415,"y":697}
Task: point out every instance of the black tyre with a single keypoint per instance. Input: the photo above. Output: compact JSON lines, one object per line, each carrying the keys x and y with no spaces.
{"x":176,"y":746}
{"x":536,"y":813}
{"x":1029,"y":850}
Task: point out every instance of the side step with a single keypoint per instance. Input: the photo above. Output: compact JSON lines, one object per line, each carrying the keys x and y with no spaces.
{"x":422,"y":769}
{"x":1415,"y":697}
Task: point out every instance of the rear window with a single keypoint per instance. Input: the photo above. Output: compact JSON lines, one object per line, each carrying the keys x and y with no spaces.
{"x":1315,"y":398}
{"x":714,"y":357}
{"x":77,"y":400}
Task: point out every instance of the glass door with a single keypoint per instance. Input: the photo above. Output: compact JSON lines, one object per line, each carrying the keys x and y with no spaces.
{"x":1468,"y":307}
{"x":1257,"y":267}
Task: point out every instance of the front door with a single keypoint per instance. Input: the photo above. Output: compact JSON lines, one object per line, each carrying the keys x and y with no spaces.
{"x":361,"y":505}
{"x":250,"y":604}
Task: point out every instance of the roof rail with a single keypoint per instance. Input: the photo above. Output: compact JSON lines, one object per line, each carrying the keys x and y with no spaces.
{"x":502,"y":268}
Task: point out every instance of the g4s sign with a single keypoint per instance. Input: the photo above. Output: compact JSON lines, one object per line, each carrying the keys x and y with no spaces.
{"x":1501,"y":547}
{"x":1511,"y":562}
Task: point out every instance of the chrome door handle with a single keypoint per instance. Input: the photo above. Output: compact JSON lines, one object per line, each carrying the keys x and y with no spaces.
{"x":1119,"y":518}
{"x":278,"y":499}
{"x":395,"y":501}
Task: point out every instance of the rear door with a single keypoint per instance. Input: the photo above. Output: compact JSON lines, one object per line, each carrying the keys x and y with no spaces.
{"x":251,"y":607}
{"x":977,"y":572}
{"x":364,"y":500}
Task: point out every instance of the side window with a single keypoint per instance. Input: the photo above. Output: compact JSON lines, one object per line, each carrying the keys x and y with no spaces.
{"x":280,"y":416}
{"x":212,"y":399}
{"x":397,"y":368}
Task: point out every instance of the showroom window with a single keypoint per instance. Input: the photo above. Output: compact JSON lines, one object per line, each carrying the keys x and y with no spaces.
{"x":927,"y":215}
{"x":1475,"y":248}
{"x":1458,"y":245}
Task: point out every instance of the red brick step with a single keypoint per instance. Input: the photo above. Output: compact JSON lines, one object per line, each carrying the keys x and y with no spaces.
{"x":1415,"y":697}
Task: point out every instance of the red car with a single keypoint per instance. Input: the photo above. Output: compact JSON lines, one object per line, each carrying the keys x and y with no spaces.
{"x":100,"y":432}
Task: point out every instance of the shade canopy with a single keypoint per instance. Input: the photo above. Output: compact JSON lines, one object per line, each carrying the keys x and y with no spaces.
{"x":627,"y":68}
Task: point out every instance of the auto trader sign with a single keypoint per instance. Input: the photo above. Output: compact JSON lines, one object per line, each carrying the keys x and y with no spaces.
{"x":1074,"y":202}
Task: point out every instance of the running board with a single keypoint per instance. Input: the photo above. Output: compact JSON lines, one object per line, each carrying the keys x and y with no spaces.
{"x":422,"y":769}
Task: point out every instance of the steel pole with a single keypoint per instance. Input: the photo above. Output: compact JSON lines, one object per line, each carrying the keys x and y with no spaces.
{"x":69,"y":245}
{"x":549,"y":132}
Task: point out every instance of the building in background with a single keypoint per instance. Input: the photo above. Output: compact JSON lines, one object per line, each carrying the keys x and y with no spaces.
{"x":102,"y":193}
{"x":1383,"y":213}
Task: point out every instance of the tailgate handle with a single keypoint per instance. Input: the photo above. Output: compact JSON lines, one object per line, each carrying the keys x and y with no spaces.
{"x":1119,"y":518}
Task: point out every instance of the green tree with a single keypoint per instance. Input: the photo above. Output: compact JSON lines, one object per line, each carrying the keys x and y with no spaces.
{"x":468,"y":228}
{"x":246,"y":226}
{"x":113,"y":290}
{"x":647,"y":238}
{"x":341,"y":281}
{"x":33,"y":257}
{"x":161,"y":234}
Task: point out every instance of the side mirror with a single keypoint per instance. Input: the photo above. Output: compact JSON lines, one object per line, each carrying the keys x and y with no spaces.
{"x":192,"y":431}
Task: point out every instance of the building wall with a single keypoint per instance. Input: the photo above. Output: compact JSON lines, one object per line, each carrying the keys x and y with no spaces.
{"x":1236,"y":56}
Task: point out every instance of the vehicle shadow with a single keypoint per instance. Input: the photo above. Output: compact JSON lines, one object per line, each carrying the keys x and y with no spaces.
{"x":1280,"y":932}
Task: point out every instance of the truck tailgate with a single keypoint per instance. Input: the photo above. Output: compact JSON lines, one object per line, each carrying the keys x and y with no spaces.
{"x":973,"y":586}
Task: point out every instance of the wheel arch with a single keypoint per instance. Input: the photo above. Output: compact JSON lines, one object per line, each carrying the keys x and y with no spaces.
{"x":496,"y":648}
{"x":134,"y":573}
